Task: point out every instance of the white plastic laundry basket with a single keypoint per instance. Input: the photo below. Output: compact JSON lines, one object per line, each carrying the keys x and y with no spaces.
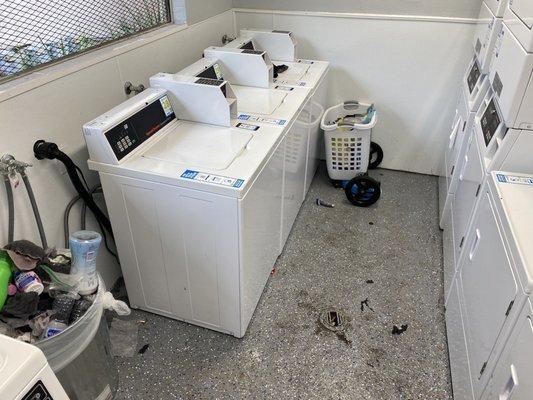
{"x":347,"y":139}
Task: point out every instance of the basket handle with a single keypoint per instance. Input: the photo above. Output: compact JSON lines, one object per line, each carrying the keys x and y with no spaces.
{"x":351,"y":104}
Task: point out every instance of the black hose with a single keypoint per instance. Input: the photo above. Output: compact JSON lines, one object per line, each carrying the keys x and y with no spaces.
{"x":50,"y":151}
{"x":11,"y":210}
{"x":35,"y":208}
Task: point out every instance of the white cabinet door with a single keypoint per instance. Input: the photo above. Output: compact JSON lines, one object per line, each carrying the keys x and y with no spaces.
{"x":462,"y":386}
{"x":294,"y":170}
{"x":470,"y":178}
{"x":512,"y":376}
{"x":489,"y":288}
{"x":315,"y":110}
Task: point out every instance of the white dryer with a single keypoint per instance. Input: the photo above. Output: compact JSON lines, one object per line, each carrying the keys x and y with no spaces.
{"x":195,"y":209}
{"x":511,"y":379}
{"x":491,"y":146}
{"x":487,"y":28}
{"x":518,"y":18}
{"x":501,"y":138}
{"x":493,"y":283}
{"x":473,"y":90}
{"x":25,"y":373}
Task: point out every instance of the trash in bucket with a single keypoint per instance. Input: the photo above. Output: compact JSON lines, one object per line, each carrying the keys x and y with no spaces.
{"x":350,"y":151}
{"x":44,"y":307}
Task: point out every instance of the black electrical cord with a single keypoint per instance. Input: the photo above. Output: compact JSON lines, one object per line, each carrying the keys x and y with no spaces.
{"x":47,"y":150}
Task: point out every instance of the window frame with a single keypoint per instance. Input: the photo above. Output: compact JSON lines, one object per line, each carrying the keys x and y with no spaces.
{"x":108,"y":44}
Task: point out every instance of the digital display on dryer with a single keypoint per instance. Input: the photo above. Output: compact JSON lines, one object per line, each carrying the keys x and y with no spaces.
{"x":473,"y":77}
{"x":490,"y":122}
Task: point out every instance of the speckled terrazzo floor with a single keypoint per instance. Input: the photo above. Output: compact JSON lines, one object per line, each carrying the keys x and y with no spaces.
{"x":330,"y":259}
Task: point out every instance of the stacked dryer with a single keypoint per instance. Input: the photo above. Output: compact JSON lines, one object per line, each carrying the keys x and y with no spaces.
{"x":474,"y":87}
{"x":484,"y":251}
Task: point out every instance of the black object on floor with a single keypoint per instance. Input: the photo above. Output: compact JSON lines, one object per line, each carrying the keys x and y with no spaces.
{"x":400,"y":330}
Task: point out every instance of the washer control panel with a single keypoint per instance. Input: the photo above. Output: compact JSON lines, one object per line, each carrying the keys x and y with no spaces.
{"x":132,"y":132}
{"x":38,"y":392}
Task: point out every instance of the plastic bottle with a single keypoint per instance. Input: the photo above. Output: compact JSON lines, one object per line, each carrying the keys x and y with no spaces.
{"x":62,"y":308}
{"x":28,"y":281}
{"x":84,"y":246}
{"x":5,"y":277}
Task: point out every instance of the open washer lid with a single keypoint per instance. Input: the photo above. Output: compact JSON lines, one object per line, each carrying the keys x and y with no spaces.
{"x":205,"y":146}
{"x":258,"y":100}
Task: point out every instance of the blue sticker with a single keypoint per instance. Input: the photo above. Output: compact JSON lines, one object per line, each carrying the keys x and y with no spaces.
{"x":238,"y":184}
{"x":501,"y":178}
{"x":189,"y":174}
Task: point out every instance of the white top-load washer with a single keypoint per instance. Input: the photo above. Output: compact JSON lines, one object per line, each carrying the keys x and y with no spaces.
{"x":501,"y":138}
{"x":518,"y":17}
{"x":308,"y":74}
{"x":195,"y":208}
{"x":25,"y":374}
{"x":490,"y":301}
{"x":283,"y":107}
{"x":487,"y":29}
{"x":282,"y":49}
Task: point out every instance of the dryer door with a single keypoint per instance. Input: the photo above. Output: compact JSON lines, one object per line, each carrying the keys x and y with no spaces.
{"x":519,"y":18}
{"x":512,"y":376}
{"x":489,"y":288}
{"x":471,"y":175}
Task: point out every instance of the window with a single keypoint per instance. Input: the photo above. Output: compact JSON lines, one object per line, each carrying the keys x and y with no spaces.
{"x":37,"y":32}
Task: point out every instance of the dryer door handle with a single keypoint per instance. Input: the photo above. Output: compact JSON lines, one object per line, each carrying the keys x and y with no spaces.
{"x":463,"y":168}
{"x":475,"y":245}
{"x":510,"y":385}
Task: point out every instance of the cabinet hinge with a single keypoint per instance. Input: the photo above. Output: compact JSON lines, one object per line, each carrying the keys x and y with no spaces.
{"x":462,"y":242}
{"x":483,"y":367}
{"x":511,"y":304}
{"x":478,"y":189}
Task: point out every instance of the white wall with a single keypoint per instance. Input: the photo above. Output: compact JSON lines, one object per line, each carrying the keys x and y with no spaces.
{"x":56,"y":111}
{"x":409,"y":67}
{"x":198,"y":10}
{"x":446,"y":8}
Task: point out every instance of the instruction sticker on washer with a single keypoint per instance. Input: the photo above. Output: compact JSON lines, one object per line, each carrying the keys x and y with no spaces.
{"x":521,"y":180}
{"x":214,"y":179}
{"x":248,"y":127}
{"x":286,"y":88}
{"x":296,"y":83}
{"x":167,"y":107}
{"x":253,"y":118}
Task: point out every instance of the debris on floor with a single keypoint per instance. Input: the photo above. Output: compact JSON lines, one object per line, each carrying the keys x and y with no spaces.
{"x":323,"y":203}
{"x":369,"y":281}
{"x":399,"y":330}
{"x":143,"y":349}
{"x":365,"y":303}
{"x":123,"y":335}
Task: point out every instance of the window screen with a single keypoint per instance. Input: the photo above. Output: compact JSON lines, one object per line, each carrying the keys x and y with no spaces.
{"x":38,"y":32}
